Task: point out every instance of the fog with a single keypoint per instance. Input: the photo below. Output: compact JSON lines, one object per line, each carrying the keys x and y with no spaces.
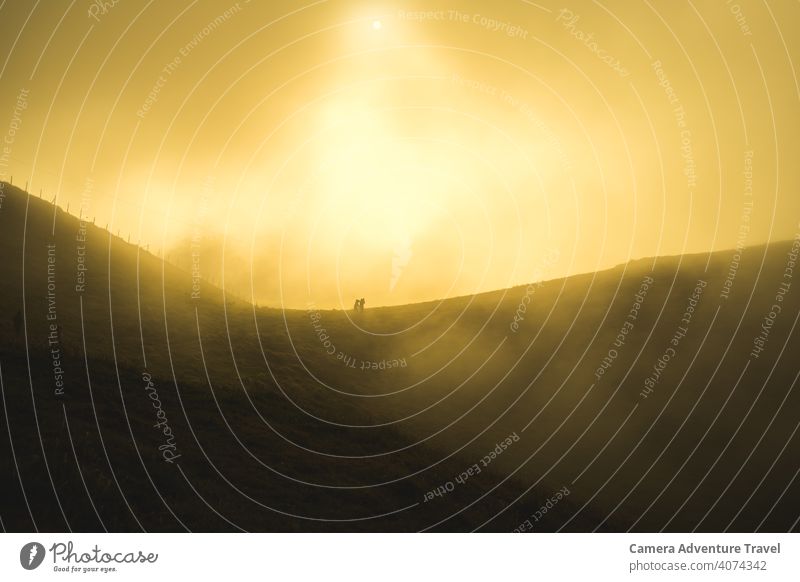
{"x":351,"y":149}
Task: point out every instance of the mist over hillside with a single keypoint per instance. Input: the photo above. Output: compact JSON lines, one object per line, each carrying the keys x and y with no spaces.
{"x":656,"y":395}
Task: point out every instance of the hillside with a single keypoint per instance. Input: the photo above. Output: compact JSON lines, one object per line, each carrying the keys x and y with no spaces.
{"x":328,"y":420}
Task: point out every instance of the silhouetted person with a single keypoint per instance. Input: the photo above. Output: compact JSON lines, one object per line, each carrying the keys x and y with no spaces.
{"x":356,"y":305}
{"x":17,"y":325}
{"x":361,"y":305}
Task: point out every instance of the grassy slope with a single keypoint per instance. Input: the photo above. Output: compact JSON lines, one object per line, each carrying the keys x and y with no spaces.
{"x":258,"y":434}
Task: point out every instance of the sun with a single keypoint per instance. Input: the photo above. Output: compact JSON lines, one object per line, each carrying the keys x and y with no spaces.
{"x":377,"y":25}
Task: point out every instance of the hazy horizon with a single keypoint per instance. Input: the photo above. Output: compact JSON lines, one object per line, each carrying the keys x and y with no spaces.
{"x":403,"y":152}
{"x":241,"y":292}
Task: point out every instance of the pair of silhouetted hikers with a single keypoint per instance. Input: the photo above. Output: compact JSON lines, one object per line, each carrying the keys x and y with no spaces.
{"x":358,"y":306}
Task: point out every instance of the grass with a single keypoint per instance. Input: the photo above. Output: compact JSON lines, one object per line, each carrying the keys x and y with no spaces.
{"x":275,"y":434}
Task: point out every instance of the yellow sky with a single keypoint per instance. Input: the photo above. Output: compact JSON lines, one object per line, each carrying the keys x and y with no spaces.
{"x":405,"y":151}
